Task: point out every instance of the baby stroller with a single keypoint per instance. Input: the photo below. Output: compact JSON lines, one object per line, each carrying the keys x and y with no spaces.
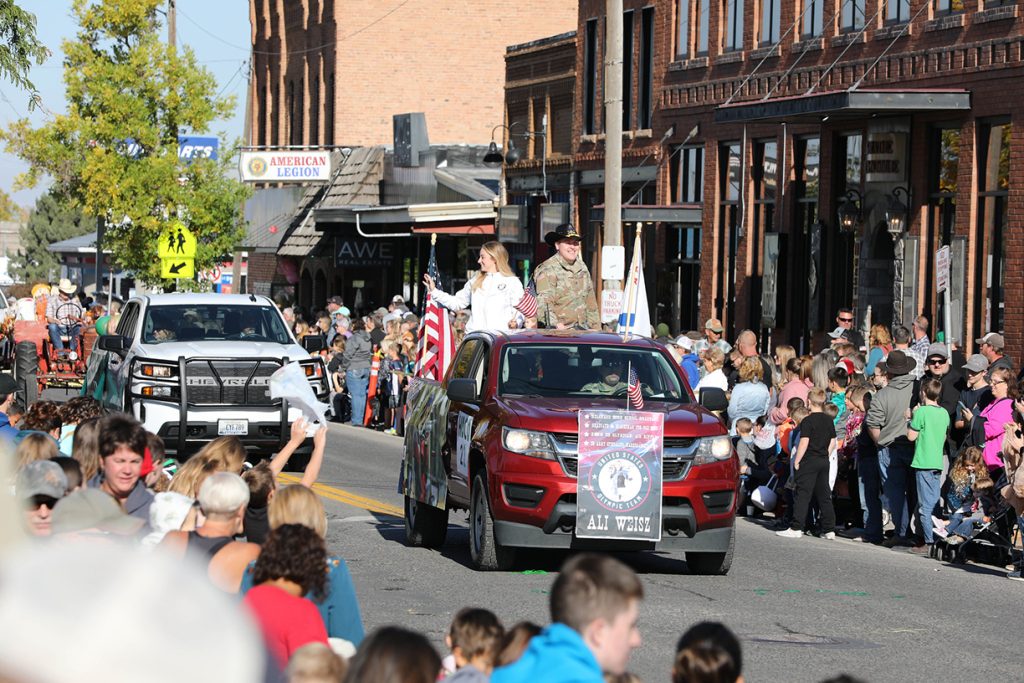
{"x":990,"y":542}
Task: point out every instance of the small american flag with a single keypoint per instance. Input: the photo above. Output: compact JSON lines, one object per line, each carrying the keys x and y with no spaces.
{"x":636,"y":397}
{"x":435,"y":345}
{"x":528,"y":304}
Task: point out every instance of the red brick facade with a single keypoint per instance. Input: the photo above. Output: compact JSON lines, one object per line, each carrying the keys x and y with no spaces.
{"x":979,"y":50}
{"x":328,"y":72}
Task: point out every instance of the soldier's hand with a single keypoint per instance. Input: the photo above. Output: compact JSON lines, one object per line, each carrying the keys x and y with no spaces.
{"x":560,"y":326}
{"x":530,"y":324}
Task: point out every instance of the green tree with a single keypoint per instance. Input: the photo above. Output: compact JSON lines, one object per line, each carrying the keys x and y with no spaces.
{"x":19,"y":47}
{"x":115,"y":151}
{"x":52,"y":220}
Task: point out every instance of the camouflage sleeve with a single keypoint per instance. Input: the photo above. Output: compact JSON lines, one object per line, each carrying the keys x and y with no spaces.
{"x":545,"y":282}
{"x":593,"y":311}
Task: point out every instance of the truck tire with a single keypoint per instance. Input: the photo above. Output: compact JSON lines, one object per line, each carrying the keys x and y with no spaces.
{"x":425,"y":525}
{"x":484,"y":550}
{"x":713,"y":564}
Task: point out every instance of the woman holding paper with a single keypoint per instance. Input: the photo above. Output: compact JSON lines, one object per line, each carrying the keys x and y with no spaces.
{"x":491,"y":296}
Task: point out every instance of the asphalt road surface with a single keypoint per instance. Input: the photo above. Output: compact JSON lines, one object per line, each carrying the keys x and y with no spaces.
{"x":805,"y":609}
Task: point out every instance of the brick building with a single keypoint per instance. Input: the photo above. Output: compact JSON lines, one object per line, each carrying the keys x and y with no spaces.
{"x":331,"y":74}
{"x":821,"y":128}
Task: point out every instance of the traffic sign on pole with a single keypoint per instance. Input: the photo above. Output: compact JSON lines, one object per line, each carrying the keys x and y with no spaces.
{"x":942,"y":269}
{"x":177,"y":242}
{"x":177,"y":268}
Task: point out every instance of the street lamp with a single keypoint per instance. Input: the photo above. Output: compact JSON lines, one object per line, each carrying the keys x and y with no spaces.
{"x":849,"y":213}
{"x":896,"y":219}
{"x":897,"y":212}
{"x":494,"y":157}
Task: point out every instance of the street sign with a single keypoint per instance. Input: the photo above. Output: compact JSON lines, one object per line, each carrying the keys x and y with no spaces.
{"x":613,"y":262}
{"x":611,"y":304}
{"x":177,"y":242}
{"x":177,"y":268}
{"x":619,"y":473}
{"x":942,"y":269}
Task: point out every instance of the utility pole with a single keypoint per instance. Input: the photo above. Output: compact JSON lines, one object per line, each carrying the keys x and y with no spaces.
{"x":172,"y":24}
{"x":613,"y":131}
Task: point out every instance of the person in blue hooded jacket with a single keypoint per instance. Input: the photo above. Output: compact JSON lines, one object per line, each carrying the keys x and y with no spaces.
{"x":595,"y":603}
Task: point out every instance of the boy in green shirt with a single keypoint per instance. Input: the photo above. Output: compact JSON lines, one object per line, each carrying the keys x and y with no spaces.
{"x":928,"y":428}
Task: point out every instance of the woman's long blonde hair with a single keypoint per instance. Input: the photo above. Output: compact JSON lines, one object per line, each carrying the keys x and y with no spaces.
{"x":497,"y":251}
{"x":296,"y":504}
{"x":223,"y":454}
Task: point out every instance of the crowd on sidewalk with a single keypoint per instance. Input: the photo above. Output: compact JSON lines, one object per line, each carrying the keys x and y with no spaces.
{"x":898,"y":440}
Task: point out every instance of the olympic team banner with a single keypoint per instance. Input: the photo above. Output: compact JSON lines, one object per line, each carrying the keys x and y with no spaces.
{"x":618,"y":484}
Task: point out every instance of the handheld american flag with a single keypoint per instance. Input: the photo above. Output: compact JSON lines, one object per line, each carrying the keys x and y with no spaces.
{"x":435,"y":344}
{"x":528,"y":304}
{"x":636,"y":397}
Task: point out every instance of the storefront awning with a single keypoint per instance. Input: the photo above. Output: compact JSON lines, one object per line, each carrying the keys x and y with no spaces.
{"x":635,"y":213}
{"x":846,"y":104}
{"x":454,"y":228}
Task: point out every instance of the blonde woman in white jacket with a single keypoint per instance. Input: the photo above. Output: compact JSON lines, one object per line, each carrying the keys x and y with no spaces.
{"x":490,"y":296}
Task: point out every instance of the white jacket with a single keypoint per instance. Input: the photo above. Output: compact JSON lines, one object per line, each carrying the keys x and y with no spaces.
{"x":491,"y":304}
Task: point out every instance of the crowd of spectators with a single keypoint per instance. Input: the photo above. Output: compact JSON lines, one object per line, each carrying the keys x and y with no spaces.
{"x":899,"y":440}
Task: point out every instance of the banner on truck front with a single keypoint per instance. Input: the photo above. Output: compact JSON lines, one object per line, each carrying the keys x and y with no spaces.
{"x":618,"y":483}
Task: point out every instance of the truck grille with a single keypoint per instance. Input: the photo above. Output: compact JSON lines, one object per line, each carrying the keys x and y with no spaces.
{"x":220,"y":382}
{"x":671,"y":470}
{"x":675,"y":467}
{"x":667,"y":442}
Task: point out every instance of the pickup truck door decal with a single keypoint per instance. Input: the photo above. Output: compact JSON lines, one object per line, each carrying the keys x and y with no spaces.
{"x":463,"y":438}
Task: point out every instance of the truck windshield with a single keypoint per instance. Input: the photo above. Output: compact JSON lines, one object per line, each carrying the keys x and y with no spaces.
{"x":213,"y":322}
{"x":587,"y":370}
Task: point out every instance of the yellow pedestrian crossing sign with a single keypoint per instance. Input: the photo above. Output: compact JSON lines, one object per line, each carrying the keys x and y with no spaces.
{"x":177,"y":242}
{"x":177,"y":268}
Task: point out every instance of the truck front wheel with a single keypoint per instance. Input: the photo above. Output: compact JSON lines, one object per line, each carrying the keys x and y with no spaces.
{"x":713,"y":563}
{"x":484,"y":549}
{"x":425,"y":525}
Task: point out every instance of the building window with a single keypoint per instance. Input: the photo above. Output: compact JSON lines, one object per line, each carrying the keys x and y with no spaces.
{"x":703,"y":21}
{"x":688,"y":176}
{"x":290,"y":115}
{"x":329,"y":112}
{"x":813,"y":20}
{"x":765,"y":174}
{"x":729,"y":173}
{"x":994,"y":183}
{"x":646,"y":67}
{"x":627,"y":70}
{"x":897,"y":11}
{"x":852,"y":17}
{"x":989,"y":4}
{"x":948,"y":7}
{"x":682,"y":29}
{"x":805,"y":256}
{"x":944,"y":166}
{"x":732,"y":15}
{"x":314,"y":113}
{"x":590,"y":78}
{"x":771,"y":19}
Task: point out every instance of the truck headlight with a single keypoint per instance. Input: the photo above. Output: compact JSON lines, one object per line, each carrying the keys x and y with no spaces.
{"x":526,"y":442}
{"x":159,"y":391}
{"x":713,"y":449}
{"x":149,"y":370}
{"x":315,"y":370}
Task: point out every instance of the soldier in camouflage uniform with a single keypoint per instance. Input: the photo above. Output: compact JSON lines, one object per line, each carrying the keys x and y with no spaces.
{"x":565,"y":292}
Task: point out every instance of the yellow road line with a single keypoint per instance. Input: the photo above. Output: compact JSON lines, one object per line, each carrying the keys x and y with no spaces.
{"x":342,"y":496}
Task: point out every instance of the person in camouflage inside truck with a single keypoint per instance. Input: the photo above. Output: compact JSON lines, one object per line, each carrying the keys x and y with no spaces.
{"x":565,"y":292}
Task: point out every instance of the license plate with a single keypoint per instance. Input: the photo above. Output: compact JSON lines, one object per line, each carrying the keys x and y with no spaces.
{"x":233,"y":427}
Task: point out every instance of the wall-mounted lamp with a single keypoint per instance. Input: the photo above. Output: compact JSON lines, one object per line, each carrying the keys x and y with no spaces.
{"x":849,"y":213}
{"x":897,"y":213}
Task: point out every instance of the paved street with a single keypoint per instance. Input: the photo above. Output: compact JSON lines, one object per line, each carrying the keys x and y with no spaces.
{"x":805,"y":609}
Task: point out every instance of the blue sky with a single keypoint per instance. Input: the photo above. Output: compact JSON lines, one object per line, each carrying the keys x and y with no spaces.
{"x":218,"y":31}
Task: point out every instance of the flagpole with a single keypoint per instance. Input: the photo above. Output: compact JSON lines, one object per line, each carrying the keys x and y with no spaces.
{"x":629,"y":373}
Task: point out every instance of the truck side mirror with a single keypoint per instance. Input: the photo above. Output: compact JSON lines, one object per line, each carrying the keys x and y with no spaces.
{"x":114,"y":343}
{"x":313,"y":343}
{"x":462,"y":390}
{"x":713,"y":399}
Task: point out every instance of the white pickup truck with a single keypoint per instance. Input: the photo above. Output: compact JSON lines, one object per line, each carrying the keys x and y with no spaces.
{"x":192,"y":367}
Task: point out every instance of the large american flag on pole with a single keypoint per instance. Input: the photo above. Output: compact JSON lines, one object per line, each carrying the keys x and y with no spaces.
{"x":435,"y":346}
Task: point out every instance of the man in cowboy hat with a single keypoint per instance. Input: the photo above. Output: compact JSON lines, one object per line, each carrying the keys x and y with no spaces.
{"x":64,"y":315}
{"x":887,"y":424}
{"x":565,"y":292}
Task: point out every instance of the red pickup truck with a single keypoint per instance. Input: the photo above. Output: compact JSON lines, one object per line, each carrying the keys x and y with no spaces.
{"x":498,"y":437}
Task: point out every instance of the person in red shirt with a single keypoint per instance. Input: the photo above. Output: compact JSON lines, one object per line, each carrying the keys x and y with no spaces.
{"x":291,"y":565}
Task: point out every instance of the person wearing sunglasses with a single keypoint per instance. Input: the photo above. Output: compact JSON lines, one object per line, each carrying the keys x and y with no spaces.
{"x":845,"y":319}
{"x":39,"y":486}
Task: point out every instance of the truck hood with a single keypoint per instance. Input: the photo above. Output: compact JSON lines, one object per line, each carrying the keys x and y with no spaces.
{"x":221,"y":349}
{"x":560,"y":414}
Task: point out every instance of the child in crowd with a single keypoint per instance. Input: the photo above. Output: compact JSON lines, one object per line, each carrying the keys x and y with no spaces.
{"x":928,"y":428}
{"x":970,"y":496}
{"x":832,"y":411}
{"x":811,"y":469}
{"x":744,"y":444}
{"x":798,"y":415}
{"x":473,"y":638}
{"x":785,"y":428}
{"x":765,"y":444}
{"x":392,"y":378}
{"x":708,"y":653}
{"x":838,"y":380}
